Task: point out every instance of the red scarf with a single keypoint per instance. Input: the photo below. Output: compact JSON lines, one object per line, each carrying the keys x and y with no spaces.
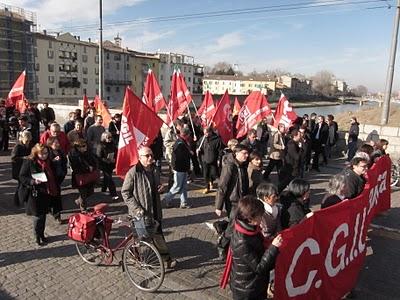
{"x":228,"y":264}
{"x":51,"y":185}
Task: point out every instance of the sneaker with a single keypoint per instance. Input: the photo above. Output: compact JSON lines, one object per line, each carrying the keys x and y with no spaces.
{"x":183,"y":206}
{"x":171,"y":264}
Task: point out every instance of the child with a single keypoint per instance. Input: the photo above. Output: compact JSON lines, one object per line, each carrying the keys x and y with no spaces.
{"x":251,"y":263}
{"x":270,"y":225}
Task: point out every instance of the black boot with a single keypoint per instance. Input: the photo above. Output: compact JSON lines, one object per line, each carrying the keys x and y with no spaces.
{"x":38,"y":241}
{"x":44,"y":239}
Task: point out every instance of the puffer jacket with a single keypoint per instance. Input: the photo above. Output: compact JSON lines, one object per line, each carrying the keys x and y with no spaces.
{"x":137,"y":193}
{"x":233,"y":182}
{"x":251,"y":264}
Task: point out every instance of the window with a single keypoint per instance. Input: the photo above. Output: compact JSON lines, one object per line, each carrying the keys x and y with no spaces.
{"x":154,"y":65}
{"x":51,"y":79}
{"x":84,"y":91}
{"x":84,"y":58}
{"x":108,"y":89}
{"x":161,"y":77}
{"x":51,"y":91}
{"x":117,"y":89}
{"x":50,"y":44}
{"x":84,"y":49}
{"x":189,"y":79}
{"x":96,"y":59}
{"x":108,"y":55}
{"x":96,"y":81}
{"x":97,"y":91}
{"x":107,"y":65}
{"x":63,"y":92}
{"x":162,"y":67}
{"x":184,"y":69}
{"x":37,"y":67}
{"x":84,"y":70}
{"x":117,"y":66}
{"x":50,"y":68}
{"x":96,"y":70}
{"x":50,"y":53}
{"x":127,"y":66}
{"x":75,"y":92}
{"x":85,"y":80}
{"x":35,"y":52}
{"x":117,"y":57}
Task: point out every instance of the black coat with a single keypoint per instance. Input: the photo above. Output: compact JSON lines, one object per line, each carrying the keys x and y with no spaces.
{"x":353,"y":132}
{"x":292,"y":158}
{"x":211,"y":148}
{"x":104,"y":151}
{"x":35,"y":206}
{"x":323,"y":134}
{"x":297,"y":212}
{"x":17,"y":157}
{"x":330,"y":200}
{"x":251,"y":264}
{"x":180,"y":161}
{"x":60,"y":165}
{"x":354,"y":183}
{"x":81,"y":163}
{"x":233,"y":182}
{"x":255,"y":146}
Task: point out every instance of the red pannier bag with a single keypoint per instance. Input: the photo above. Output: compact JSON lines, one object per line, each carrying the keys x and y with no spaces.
{"x":81,"y":227}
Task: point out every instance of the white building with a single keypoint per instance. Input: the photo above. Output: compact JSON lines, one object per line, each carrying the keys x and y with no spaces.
{"x":168,"y":62}
{"x":66,"y":68}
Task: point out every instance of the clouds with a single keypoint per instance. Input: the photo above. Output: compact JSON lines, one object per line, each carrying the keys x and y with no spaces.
{"x":225,"y":42}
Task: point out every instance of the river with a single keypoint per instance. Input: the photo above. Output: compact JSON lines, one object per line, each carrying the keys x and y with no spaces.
{"x":331,"y":109}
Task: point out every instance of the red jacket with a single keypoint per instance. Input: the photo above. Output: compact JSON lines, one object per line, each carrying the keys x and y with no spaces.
{"x":62,"y":138}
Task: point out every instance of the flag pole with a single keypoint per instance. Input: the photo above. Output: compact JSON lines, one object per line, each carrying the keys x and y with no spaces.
{"x":191,"y":122}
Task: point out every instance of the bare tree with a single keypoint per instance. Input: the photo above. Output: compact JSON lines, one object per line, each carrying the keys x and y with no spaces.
{"x":275,"y":73}
{"x":222,"y":68}
{"x":322,"y":83}
{"x":360,"y":91}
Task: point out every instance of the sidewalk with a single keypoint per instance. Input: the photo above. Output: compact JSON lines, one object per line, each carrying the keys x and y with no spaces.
{"x":55,"y":271}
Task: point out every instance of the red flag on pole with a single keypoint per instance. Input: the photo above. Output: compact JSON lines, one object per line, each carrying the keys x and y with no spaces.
{"x":178,"y":101}
{"x":284,"y":113}
{"x":254,"y":109}
{"x":236,"y":107}
{"x":17,"y":91}
{"x":102,"y":111}
{"x":85,"y":106}
{"x":206,"y":110}
{"x":152,"y":95}
{"x":135,"y":131}
{"x":223,"y":118}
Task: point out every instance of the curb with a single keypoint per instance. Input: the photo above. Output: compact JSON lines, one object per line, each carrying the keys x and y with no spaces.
{"x":384,"y":231}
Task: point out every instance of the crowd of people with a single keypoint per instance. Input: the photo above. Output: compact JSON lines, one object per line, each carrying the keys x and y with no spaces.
{"x":257,"y":205}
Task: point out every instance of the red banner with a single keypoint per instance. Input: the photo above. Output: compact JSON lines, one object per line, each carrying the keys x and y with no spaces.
{"x":322,"y":256}
{"x":223,"y":118}
{"x":284,"y":113}
{"x":17,"y":91}
{"x":207,"y":110}
{"x":102,"y":110}
{"x":152,"y":95}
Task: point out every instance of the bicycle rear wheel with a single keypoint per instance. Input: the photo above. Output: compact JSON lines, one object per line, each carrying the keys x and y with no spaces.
{"x":92,"y":252}
{"x":143,"y":265}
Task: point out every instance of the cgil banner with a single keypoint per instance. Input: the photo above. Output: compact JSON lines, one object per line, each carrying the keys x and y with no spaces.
{"x":322,"y":256}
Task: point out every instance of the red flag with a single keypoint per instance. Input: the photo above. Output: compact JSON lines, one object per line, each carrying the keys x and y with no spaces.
{"x":136,"y":117}
{"x":178,"y":101}
{"x":223,"y":118}
{"x":186,"y":91}
{"x":206,"y":110}
{"x":102,"y":111}
{"x":152,"y":95}
{"x":254,"y":109}
{"x":85,"y":104}
{"x":284,"y":113}
{"x":17,"y":91}
{"x":236,"y":107}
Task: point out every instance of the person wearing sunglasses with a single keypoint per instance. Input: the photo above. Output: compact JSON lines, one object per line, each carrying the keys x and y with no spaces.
{"x":141,"y":193}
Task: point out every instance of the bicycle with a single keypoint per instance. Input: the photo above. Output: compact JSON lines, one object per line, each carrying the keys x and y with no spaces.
{"x":395,"y":174}
{"x":140,"y":259}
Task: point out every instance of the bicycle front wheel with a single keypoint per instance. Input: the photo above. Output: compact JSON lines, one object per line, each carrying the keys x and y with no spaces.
{"x":92,"y":252}
{"x":143,"y":265}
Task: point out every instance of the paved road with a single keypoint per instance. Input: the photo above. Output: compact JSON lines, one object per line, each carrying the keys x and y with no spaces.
{"x":55,"y":271}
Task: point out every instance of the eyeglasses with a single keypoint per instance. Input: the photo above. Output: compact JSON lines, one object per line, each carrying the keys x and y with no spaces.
{"x":148,"y":155}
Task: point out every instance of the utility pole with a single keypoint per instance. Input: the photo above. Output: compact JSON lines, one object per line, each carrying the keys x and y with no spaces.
{"x":101,"y":52}
{"x":390,"y":71}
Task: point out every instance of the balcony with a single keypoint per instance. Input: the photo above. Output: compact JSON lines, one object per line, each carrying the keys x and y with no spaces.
{"x":117,"y":82}
{"x":69,"y":84}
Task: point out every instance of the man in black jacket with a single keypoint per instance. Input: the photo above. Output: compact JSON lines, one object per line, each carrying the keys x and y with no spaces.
{"x":233,"y":185}
{"x":319,"y":138}
{"x":180,"y":163}
{"x":209,"y":149}
{"x":355,"y":177}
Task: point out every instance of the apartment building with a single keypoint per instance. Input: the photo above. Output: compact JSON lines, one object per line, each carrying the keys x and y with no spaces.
{"x":17,"y":48}
{"x":117,"y":71}
{"x":236,"y":85}
{"x":168,"y":62}
{"x":340,"y":86}
{"x":66,"y":67}
{"x":140,"y":64}
{"x":198,"y":79}
{"x":293,"y":86}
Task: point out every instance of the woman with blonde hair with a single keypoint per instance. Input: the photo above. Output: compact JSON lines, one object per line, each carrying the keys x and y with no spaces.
{"x":37,"y":177}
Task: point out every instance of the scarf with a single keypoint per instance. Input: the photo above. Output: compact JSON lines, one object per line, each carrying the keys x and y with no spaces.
{"x":229,"y":258}
{"x":51,"y":185}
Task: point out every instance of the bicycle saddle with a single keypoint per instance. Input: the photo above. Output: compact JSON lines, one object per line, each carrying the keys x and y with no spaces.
{"x":100,"y":208}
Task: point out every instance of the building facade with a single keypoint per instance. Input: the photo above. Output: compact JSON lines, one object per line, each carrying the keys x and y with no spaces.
{"x":236,"y":85}
{"x":140,"y":64}
{"x":198,"y":79}
{"x":67,"y":68}
{"x":168,"y":63}
{"x":17,"y":48}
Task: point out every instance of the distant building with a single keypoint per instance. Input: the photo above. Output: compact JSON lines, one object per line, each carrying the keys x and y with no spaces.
{"x":293,"y":86}
{"x":198,"y":79}
{"x":140,"y":64}
{"x":168,"y":62}
{"x":236,"y":85}
{"x":17,"y":49}
{"x":340,"y":86}
{"x":67,"y":68}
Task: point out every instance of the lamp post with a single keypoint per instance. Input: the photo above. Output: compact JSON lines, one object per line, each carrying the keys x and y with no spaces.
{"x":390,"y":71}
{"x":101,"y":51}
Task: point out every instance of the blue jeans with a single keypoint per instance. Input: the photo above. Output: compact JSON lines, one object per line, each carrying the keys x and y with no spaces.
{"x":179,"y":186}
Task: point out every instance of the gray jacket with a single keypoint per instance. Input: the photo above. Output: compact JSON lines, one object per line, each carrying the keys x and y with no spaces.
{"x":138,"y":195}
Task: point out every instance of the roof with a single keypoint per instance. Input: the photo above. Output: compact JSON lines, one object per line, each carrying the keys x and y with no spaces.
{"x":236,"y":78}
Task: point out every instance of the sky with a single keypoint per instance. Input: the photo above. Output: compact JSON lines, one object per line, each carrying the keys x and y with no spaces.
{"x":350,"y":38}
